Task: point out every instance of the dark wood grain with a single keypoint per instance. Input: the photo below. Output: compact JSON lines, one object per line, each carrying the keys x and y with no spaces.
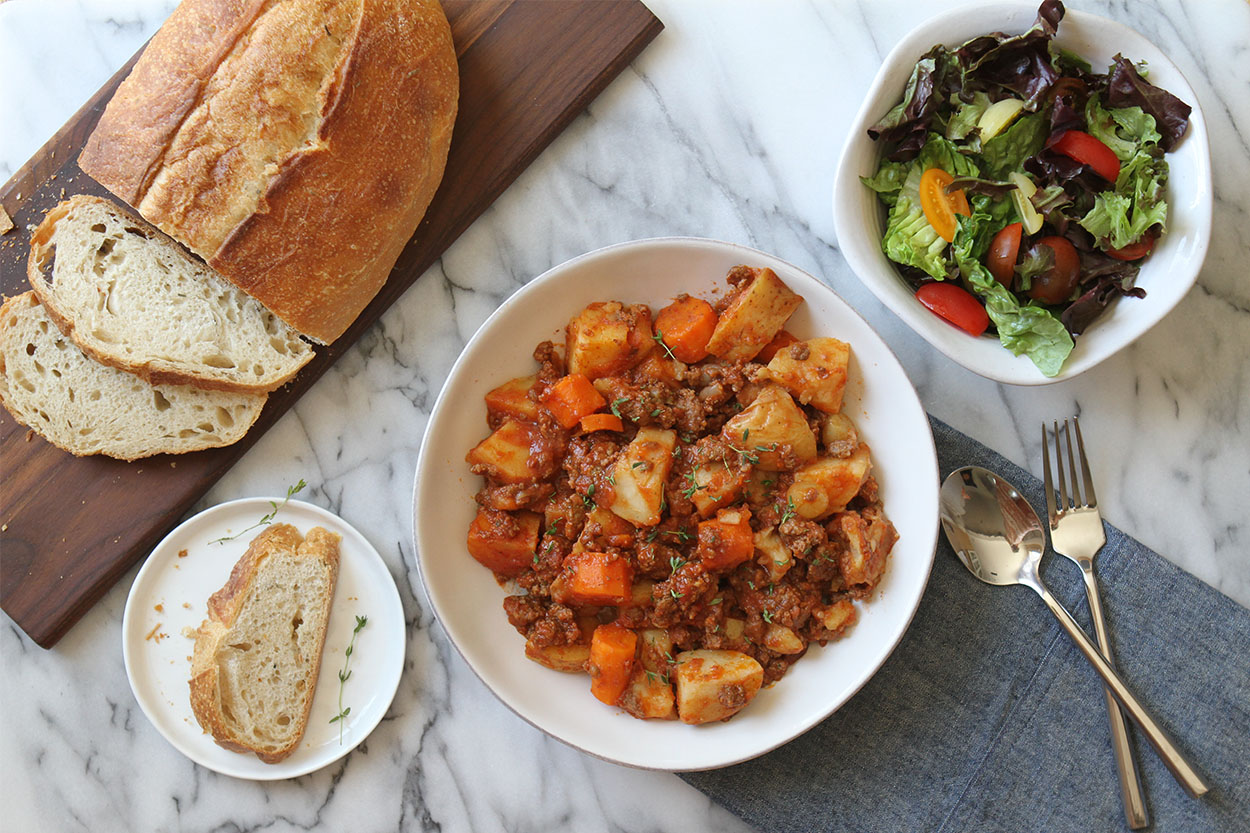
{"x":69,"y":526}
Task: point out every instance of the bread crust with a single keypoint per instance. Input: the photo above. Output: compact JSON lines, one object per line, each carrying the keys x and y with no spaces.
{"x":16,"y":307}
{"x":154,"y":371}
{"x":224,"y":607}
{"x":310,"y":223}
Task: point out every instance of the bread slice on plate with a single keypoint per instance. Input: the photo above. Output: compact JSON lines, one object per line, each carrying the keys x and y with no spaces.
{"x":84,"y":407}
{"x":133,"y":299}
{"x":258,"y":654}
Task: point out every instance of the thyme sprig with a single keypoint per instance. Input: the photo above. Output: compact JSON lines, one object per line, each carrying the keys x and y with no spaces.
{"x":268,"y":519}
{"x":345,"y":674}
{"x":659,"y":339}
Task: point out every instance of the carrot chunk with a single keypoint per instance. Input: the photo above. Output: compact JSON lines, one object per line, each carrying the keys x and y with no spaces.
{"x":782,"y":339}
{"x":686,"y":325}
{"x":612,"y":650}
{"x":601,"y":422}
{"x":599,"y":578}
{"x":572,"y":398}
{"x":504,"y":541}
{"x":726,"y":541}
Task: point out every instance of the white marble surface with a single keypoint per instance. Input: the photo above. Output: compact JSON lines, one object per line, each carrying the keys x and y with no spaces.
{"x":728,"y":126}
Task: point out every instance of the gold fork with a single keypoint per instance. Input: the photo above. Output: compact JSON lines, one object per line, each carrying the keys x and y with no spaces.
{"x":1076,"y":532}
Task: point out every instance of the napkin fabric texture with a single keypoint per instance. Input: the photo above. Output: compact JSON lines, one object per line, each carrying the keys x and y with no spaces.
{"x":987,"y":717}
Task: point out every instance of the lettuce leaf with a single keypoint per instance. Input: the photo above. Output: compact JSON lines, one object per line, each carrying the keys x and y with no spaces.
{"x":1121,"y":217}
{"x":1007,"y":151}
{"x":939,"y":152}
{"x":909,"y":238}
{"x":888,"y":180}
{"x":1125,"y":130}
{"x":1126,"y":88}
{"x":1024,"y":329}
{"x":967,"y":115}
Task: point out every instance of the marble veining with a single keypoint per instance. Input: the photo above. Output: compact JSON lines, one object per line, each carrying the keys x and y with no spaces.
{"x":728,"y":126}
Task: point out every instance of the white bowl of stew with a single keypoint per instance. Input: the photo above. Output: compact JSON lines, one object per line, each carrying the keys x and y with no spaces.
{"x":1166,"y":275}
{"x":467,"y":599}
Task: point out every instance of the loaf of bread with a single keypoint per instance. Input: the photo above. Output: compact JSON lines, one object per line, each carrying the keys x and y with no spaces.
{"x":85,"y":407}
{"x":258,"y":654}
{"x":133,"y":299}
{"x":293,"y":144}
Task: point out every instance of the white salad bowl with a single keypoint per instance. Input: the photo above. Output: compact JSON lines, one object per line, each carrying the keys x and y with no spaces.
{"x":468,"y":601}
{"x":1166,"y":275}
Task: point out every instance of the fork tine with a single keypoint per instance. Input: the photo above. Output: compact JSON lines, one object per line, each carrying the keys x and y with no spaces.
{"x":1090,"y":499}
{"x":1049,"y":487}
{"x":1076,"y":488}
{"x":1063,"y":483}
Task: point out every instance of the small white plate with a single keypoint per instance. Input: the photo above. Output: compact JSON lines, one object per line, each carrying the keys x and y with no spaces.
{"x":169,"y":599}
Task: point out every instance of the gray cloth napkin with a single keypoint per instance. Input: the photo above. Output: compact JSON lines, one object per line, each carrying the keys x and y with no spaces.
{"x":987,"y":717}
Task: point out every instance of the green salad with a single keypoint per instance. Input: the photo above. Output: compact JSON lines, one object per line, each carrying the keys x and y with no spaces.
{"x":1024,"y":189}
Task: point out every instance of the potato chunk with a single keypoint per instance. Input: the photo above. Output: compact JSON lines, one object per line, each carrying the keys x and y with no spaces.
{"x":511,"y":399}
{"x":837,"y":616}
{"x":868,"y":545}
{"x":782,"y":640}
{"x":829,"y":484}
{"x":716,"y":486}
{"x":814,"y":372}
{"x":505,"y":454}
{"x":772,"y":554}
{"x":607,"y":338}
{"x":714,"y":685}
{"x":755,"y":315}
{"x":640,"y":473}
{"x":770,"y":425}
{"x":571,"y":659}
{"x":650,"y":691}
{"x":649,"y":696}
{"x":838,"y":435}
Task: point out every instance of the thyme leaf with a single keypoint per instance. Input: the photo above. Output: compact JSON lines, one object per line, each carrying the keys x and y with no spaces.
{"x":346,"y":673}
{"x":268,"y":519}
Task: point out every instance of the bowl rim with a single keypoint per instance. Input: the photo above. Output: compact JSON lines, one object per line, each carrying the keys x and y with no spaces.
{"x":865,"y":258}
{"x":927,"y":466}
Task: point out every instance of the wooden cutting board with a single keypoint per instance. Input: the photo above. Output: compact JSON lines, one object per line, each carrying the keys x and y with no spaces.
{"x":69,"y":526}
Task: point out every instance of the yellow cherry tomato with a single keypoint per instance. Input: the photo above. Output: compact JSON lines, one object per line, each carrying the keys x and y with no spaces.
{"x":939,"y":206}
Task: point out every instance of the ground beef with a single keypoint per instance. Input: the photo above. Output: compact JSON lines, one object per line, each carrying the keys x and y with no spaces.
{"x":510,"y":497}
{"x":523,"y":611}
{"x":589,"y":464}
{"x":550,"y":363}
{"x":802,"y":536}
{"x":556,"y":626}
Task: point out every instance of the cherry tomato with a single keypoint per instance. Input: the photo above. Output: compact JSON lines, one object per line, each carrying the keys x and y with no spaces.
{"x":940,"y":207}
{"x":1069,"y":86}
{"x":956,"y":305}
{"x":1134,"y":251}
{"x":1004,"y":249}
{"x":1056,"y":284}
{"x":1087,"y":150}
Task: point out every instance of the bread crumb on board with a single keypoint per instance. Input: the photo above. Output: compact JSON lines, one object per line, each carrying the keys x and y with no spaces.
{"x":6,"y":222}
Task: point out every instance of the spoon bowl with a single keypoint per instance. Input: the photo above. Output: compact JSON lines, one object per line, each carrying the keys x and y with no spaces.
{"x":991,"y":527}
{"x":998,"y":536}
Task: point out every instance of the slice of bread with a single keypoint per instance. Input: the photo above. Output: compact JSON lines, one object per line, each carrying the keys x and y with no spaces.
{"x":87,"y":408}
{"x":258,"y":654}
{"x":133,"y":299}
